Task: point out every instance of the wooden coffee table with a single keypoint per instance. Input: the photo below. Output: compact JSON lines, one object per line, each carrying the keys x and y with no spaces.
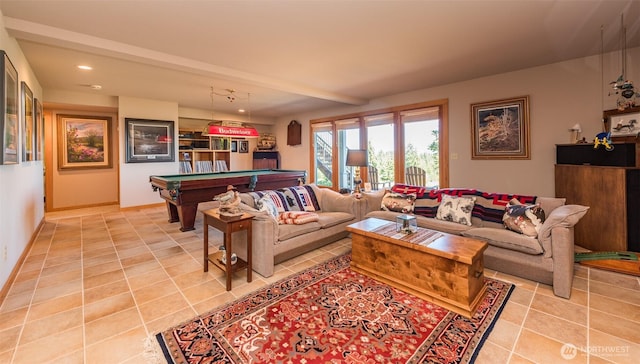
{"x":438,"y":267}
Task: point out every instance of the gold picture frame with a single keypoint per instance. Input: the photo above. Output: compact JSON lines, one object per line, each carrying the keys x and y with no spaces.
{"x":84,"y":142}
{"x":500,"y":129}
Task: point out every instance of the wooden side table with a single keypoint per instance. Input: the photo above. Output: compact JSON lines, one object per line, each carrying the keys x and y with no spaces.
{"x":227,"y":225}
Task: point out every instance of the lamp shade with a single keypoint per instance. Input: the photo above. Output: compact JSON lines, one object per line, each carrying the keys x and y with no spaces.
{"x":357,"y":157}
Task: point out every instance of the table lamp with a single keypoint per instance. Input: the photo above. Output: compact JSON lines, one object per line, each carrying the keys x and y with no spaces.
{"x":357,"y":158}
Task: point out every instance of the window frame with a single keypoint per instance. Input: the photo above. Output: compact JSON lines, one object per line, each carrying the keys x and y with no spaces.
{"x":399,"y":163}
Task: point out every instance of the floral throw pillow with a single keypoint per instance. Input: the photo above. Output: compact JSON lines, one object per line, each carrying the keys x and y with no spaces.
{"x":456,"y":209}
{"x":398,"y":202}
{"x":523,"y":219}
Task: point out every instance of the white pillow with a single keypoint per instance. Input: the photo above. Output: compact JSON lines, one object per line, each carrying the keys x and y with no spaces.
{"x":266,"y":204}
{"x":456,"y":209}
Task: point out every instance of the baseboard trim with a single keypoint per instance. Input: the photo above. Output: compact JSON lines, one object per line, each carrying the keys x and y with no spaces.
{"x":14,"y":273}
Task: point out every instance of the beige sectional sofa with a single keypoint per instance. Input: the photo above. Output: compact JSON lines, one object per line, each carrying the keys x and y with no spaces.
{"x":547,"y":258}
{"x":273,"y":243}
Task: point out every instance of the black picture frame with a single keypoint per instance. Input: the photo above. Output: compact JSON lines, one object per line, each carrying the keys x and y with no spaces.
{"x":39,"y":129}
{"x":28,"y":121}
{"x":234,"y":146}
{"x":9,"y":127}
{"x":244,"y":146}
{"x":149,"y":141}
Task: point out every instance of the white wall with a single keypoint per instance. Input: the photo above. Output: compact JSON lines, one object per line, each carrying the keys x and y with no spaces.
{"x":135,"y":189}
{"x":561,"y":95}
{"x":21,"y":185}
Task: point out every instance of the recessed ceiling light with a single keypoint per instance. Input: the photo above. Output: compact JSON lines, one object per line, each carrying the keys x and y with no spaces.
{"x":85,"y":67}
{"x":95,"y":87}
{"x":240,"y":110}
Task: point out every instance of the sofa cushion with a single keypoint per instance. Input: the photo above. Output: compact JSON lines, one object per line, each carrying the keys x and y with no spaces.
{"x":289,"y":231}
{"x":424,"y":222}
{"x":456,"y":209}
{"x":278,"y":198}
{"x":297,"y":217}
{"x":265,"y":203}
{"x":489,"y":207}
{"x":301,"y":198}
{"x":507,"y":239}
{"x":566,"y":216}
{"x":328,"y":219}
{"x":549,"y":204}
{"x":523,"y":218}
{"x":398,"y":202}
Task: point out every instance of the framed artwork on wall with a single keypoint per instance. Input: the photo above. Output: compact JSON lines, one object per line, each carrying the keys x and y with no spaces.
{"x":28,"y":136}
{"x":149,"y":140}
{"x":234,"y":146}
{"x":9,"y":127}
{"x":622,"y":123}
{"x":244,"y":146}
{"x":500,"y":129}
{"x":38,"y":129}
{"x":84,"y":142}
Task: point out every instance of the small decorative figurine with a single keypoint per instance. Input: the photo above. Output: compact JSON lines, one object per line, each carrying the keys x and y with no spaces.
{"x":603,"y":139}
{"x":229,"y":202}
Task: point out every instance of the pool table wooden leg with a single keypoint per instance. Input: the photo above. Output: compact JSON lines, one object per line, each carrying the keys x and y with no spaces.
{"x":173,"y":212}
{"x":187,"y":215}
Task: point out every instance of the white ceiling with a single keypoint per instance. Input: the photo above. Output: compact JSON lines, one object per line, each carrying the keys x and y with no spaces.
{"x":297,"y":56}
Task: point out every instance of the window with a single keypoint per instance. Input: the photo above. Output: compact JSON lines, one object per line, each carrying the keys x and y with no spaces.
{"x":421,"y":153}
{"x":348,"y":131}
{"x":322,"y":135}
{"x":406,"y":144}
{"x":381,"y":146}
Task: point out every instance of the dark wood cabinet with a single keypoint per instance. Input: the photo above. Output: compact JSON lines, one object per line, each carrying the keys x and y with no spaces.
{"x":266,"y":160}
{"x":613,"y":196}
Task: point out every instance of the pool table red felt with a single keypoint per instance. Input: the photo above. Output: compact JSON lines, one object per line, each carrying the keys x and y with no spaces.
{"x":183,"y":192}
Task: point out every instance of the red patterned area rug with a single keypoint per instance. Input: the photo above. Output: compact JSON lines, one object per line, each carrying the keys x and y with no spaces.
{"x":330,"y":314}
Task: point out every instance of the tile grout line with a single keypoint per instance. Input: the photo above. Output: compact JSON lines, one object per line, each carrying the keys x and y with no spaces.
{"x":84,"y":324}
{"x":144,"y":323}
{"x":524,"y":319}
{"x":124,"y":273}
{"x":33,"y":294}
{"x":588,"y":315}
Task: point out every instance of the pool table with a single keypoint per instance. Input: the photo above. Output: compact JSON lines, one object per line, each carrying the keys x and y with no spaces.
{"x":183,"y":192}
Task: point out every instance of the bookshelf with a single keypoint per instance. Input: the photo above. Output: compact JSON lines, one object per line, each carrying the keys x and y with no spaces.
{"x":203,"y":154}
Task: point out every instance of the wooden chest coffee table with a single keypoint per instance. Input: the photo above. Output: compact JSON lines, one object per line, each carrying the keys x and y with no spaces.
{"x":438,"y":267}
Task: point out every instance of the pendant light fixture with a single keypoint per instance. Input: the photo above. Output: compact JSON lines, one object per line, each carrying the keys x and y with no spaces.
{"x":219,"y":128}
{"x":622,"y":86}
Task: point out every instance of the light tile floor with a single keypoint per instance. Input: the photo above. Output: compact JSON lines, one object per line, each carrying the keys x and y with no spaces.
{"x":98,"y":283}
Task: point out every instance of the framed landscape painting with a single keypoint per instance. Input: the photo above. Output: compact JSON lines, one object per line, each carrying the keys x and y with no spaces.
{"x":9,"y":104}
{"x":39,"y":129}
{"x":28,"y":136}
{"x":500,"y":129}
{"x":149,"y":140}
{"x":84,"y":142}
